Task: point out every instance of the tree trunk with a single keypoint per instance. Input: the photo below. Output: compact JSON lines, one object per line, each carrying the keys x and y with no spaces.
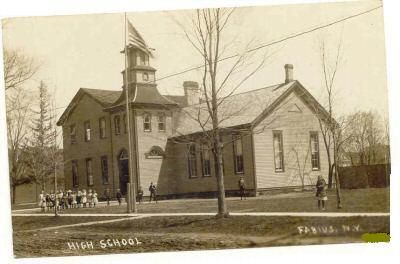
{"x":14,"y":187}
{"x":337,"y":180}
{"x":218,"y":161}
{"x":330,"y":175}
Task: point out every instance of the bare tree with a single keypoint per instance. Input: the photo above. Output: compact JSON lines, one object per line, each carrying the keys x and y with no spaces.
{"x":206,"y":35}
{"x":298,"y":159}
{"x":17,"y":131}
{"x":366,"y":138}
{"x":332,"y":129}
{"x":18,"y":69}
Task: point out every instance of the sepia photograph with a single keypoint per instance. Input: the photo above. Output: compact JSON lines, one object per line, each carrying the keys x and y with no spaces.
{"x":197,"y":129}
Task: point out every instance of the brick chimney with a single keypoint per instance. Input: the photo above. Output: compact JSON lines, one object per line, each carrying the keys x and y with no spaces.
{"x":192,"y":92}
{"x":288,"y":73}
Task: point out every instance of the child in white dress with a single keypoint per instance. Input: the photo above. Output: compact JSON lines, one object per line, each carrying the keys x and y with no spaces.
{"x":94,"y":198}
{"x":84,"y":198}
{"x":42,"y":201}
{"x":74,"y":199}
{"x":90,"y":198}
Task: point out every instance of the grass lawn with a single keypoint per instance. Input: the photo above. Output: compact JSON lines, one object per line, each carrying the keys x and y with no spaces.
{"x":360,"y":200}
{"x":191,"y":233}
{"x":21,"y":223}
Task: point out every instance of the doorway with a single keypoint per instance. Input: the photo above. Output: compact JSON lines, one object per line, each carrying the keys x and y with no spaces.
{"x":123,"y":162}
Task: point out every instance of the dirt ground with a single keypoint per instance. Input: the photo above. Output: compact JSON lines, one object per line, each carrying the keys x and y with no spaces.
{"x":189,"y":233}
{"x":360,"y":200}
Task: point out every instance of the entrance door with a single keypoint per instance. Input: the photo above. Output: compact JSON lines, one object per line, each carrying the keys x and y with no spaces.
{"x":123,"y":171}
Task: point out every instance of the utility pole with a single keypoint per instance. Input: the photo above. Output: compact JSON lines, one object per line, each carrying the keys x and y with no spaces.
{"x":131,"y":197}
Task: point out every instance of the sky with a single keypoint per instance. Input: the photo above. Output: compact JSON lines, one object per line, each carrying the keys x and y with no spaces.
{"x":84,"y":50}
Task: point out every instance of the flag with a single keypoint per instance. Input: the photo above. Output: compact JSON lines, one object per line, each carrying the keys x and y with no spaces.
{"x":134,"y":39}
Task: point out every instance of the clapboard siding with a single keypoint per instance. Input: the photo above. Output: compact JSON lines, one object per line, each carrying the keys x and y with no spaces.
{"x":150,"y":168}
{"x":178,"y":176}
{"x":296,"y":120}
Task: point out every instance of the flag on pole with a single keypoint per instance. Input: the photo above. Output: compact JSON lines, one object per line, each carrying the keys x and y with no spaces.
{"x":136,"y":40}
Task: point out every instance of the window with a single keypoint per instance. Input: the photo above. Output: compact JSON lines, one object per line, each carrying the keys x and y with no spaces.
{"x":147,"y":122}
{"x":102,"y":127}
{"x":117,"y":122}
{"x":314,"y":150}
{"x":161,"y":122}
{"x":145,"y":76}
{"x":75,"y":173}
{"x":205,"y":161}
{"x":104,"y":169}
{"x":142,"y":59}
{"x":278,"y":151}
{"x":125,"y":124}
{"x":89,"y":172}
{"x":238,"y":154}
{"x":192,"y":161}
{"x":87,"y":131}
{"x":72,"y":134}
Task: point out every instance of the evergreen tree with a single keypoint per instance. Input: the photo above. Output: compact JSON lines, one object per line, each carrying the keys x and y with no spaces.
{"x":42,"y":140}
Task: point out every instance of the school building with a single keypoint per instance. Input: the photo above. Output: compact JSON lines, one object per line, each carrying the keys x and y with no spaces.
{"x":272,"y":137}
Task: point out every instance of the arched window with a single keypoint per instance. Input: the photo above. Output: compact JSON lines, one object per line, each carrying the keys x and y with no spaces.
{"x":155,"y":152}
{"x":123,"y":155}
{"x":147,"y":122}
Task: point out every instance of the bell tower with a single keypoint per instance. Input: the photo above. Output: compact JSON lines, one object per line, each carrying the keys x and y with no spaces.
{"x":138,"y":68}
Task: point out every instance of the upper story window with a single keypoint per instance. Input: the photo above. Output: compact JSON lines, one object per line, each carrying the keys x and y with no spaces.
{"x":238,"y":153}
{"x":145,"y":76}
{"x":72,"y":134}
{"x":278,"y":151}
{"x":142,"y":59}
{"x":89,"y":172}
{"x":206,"y":163}
{"x":161,"y":121}
{"x":314,"y":151}
{"x":125,"y":124}
{"x":87,"y":128}
{"x":147,"y":122}
{"x":117,"y":125}
{"x":102,"y":127}
{"x":192,"y":164}
{"x":75,"y":173}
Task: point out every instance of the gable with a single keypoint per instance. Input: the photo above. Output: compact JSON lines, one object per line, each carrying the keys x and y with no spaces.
{"x":80,"y":108}
{"x":304,"y":101}
{"x":103,"y":98}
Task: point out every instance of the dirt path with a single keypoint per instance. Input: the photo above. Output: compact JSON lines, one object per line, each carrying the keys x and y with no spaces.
{"x":299,"y":214}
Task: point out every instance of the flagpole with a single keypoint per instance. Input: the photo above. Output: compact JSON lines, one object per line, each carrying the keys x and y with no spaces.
{"x":132,"y":201}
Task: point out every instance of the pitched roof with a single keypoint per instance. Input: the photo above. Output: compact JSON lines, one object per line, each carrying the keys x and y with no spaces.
{"x":146,"y":94}
{"x":179,"y":99}
{"x":235,"y":110}
{"x":104,"y":97}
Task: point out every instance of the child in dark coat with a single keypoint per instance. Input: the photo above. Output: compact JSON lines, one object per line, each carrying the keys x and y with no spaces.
{"x":321,"y":193}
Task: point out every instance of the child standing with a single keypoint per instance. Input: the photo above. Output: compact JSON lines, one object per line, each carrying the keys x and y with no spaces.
{"x":321,"y":193}
{"x":119,"y":196}
{"x":79,"y":198}
{"x":94,"y":198}
{"x":84,"y":199}
{"x":74,"y":203}
{"x":90,"y":198}
{"x":42,"y":201}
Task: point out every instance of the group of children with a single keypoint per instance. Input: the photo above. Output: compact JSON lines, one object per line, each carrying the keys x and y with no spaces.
{"x":68,"y":199}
